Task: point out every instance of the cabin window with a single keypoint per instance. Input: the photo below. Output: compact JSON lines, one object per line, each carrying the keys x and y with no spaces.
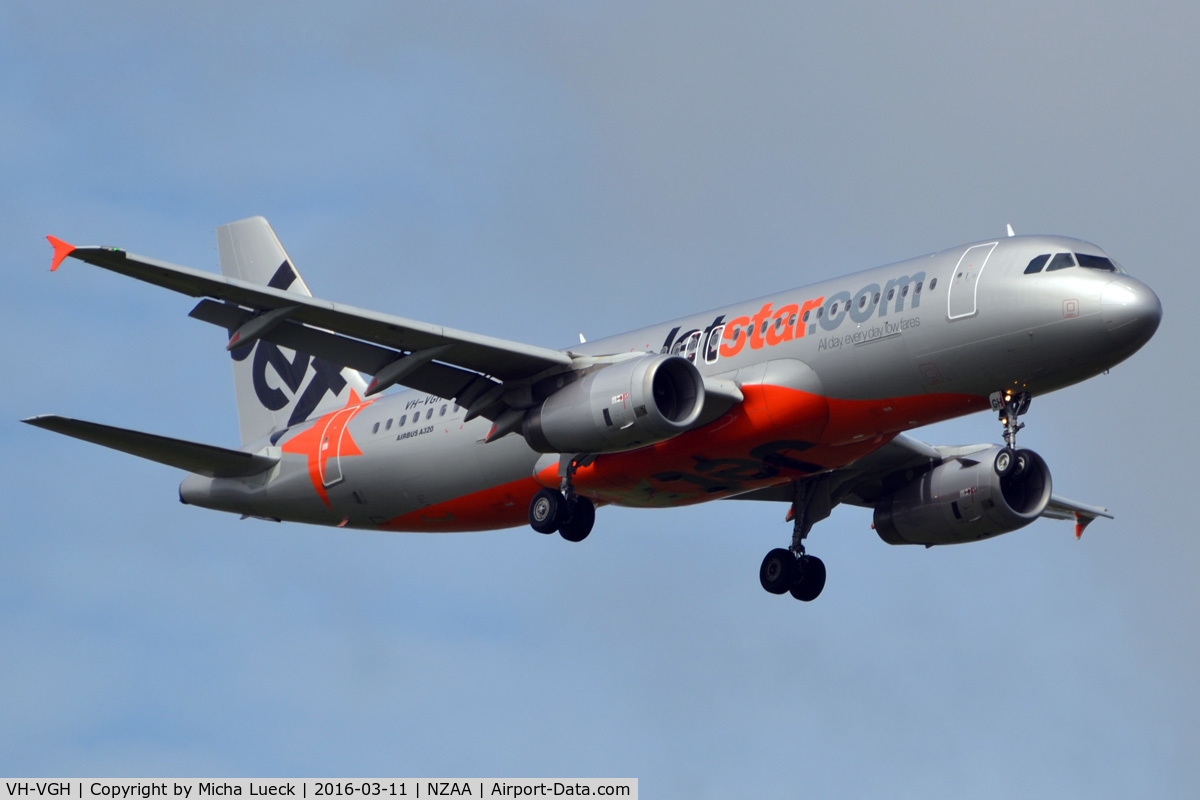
{"x":712,"y":349}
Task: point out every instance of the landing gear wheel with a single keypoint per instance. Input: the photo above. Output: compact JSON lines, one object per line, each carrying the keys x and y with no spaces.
{"x":1022,"y":463}
{"x":809,"y":580}
{"x":1005,"y":461}
{"x":546,"y":511}
{"x":581,"y":515}
{"x":777,"y":571}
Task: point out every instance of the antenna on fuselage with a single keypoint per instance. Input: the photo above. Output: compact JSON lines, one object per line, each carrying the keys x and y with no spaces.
{"x":1010,"y":230}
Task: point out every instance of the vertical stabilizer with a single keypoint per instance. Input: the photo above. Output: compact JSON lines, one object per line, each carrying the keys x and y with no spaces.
{"x":276,"y":387}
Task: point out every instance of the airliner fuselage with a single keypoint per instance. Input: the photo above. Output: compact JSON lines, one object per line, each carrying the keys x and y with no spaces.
{"x":797,"y":396}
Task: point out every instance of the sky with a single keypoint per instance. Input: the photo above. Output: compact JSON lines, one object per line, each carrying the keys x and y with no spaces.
{"x":532,"y":171}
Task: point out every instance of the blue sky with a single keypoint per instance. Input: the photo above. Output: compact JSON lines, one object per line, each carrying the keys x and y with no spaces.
{"x":530,"y":171}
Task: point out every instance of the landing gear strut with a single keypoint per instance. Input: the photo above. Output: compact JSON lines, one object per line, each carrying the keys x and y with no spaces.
{"x":563,"y":510}
{"x":1010,"y":406}
{"x":793,"y":570}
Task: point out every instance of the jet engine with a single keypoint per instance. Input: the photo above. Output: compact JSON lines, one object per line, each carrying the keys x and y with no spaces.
{"x":621,"y":406}
{"x":966,"y":499}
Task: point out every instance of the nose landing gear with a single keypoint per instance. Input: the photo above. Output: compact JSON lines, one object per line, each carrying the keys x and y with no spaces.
{"x":1010,"y":405}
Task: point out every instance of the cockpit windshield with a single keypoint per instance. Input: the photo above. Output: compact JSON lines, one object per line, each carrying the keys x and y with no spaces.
{"x":1056,"y":261}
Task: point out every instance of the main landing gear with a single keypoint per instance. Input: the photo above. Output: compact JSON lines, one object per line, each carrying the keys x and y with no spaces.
{"x":563,"y":510}
{"x":796,"y":572}
{"x":1011,"y":405}
{"x":793,"y":570}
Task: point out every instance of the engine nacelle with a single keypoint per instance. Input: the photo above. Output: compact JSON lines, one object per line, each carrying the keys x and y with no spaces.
{"x":622,"y":406}
{"x":965,"y":499}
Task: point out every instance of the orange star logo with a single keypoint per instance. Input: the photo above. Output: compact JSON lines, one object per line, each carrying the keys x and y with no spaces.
{"x":326,"y":442}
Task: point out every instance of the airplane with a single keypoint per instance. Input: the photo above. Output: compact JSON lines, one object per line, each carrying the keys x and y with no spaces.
{"x":801,"y":397}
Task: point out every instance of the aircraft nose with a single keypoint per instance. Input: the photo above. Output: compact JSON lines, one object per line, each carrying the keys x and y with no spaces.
{"x":1131,"y":311}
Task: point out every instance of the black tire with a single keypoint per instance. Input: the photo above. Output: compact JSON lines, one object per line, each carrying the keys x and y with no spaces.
{"x":810,"y":579}
{"x":546,"y":511}
{"x":1005,"y":461}
{"x":580,"y":519}
{"x":1022,"y":463}
{"x":777,"y":571}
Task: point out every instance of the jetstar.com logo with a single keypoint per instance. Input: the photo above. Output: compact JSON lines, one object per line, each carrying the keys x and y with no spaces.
{"x":770,"y":326}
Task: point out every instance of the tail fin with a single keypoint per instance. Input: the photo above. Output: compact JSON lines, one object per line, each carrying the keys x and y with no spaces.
{"x":276,"y":388}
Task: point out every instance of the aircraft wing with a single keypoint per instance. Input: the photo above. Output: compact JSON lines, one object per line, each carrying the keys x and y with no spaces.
{"x":485,"y":375}
{"x":486,"y":355}
{"x":876,"y":475}
{"x":905,"y":452}
{"x":475,"y":370}
{"x":1081,"y":513}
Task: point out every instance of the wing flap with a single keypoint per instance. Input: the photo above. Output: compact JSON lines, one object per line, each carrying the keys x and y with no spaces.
{"x":442,"y":380}
{"x":202,"y":459}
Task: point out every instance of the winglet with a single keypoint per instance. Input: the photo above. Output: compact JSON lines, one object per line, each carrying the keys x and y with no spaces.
{"x":1081,"y":522}
{"x":61,"y":251}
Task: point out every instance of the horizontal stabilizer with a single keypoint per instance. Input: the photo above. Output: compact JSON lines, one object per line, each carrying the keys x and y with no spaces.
{"x":202,"y":459}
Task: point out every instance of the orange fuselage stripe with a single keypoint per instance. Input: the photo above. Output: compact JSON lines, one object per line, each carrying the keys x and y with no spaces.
{"x":774,"y":436}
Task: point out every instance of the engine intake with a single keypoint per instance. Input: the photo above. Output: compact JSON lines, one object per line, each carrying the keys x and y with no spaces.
{"x":622,"y":406}
{"x":966,"y":499}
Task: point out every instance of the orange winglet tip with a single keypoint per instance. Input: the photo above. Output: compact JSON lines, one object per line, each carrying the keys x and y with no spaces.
{"x":61,"y":251}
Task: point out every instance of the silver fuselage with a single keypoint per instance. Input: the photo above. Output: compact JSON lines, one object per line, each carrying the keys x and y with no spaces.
{"x":835,"y":369}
